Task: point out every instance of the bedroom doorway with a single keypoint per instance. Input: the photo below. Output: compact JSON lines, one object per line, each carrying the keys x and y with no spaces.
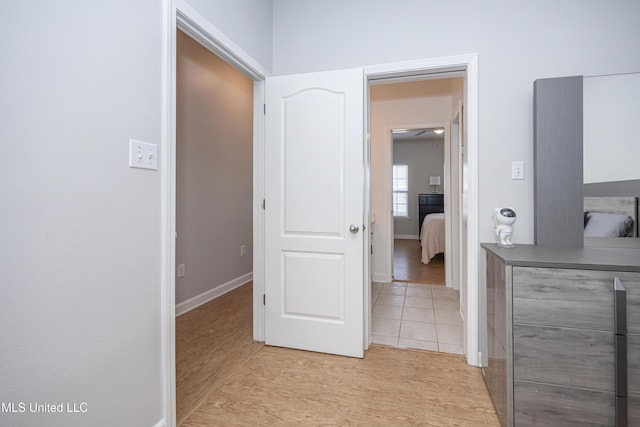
{"x":415,"y":133}
{"x":418,"y":246}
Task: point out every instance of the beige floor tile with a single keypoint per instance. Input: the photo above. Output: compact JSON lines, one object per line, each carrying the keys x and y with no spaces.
{"x":387,"y":311}
{"x":446,"y":305}
{"x":388,"y":327}
{"x":393,"y":289}
{"x":390,"y":300}
{"x":450,"y":348}
{"x":384,"y":340}
{"x":448,"y":317}
{"x":449,"y":334}
{"x":422,"y":292}
{"x":418,"y":331}
{"x":417,"y":344}
{"x":418,"y":314}
{"x":444,"y":294}
{"x":418,"y":302}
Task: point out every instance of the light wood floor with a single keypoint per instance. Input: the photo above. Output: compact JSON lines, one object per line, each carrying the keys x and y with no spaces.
{"x":225,"y":379}
{"x":407,"y":266}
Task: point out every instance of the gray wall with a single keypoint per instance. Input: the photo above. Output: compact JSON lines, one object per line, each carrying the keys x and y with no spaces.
{"x":425,"y":158}
{"x":545,"y":39}
{"x":80,"y":295}
{"x":248,"y":23}
{"x":214,"y":170}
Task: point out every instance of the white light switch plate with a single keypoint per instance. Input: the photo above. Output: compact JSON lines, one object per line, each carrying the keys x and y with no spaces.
{"x":143,"y":155}
{"x":517,"y":170}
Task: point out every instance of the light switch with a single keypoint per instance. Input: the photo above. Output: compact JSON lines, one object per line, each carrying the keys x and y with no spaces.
{"x":517,"y":170}
{"x":143,"y":155}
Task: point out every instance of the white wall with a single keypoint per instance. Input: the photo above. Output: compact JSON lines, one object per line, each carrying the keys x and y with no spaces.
{"x":80,"y":298}
{"x":249,"y":23}
{"x":214,"y":170}
{"x":516,"y":42}
{"x":611,"y":110}
{"x":80,"y":252}
{"x":425,"y":158}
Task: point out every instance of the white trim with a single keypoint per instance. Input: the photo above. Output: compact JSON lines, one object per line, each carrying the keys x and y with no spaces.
{"x":380,"y":278}
{"x":258,"y":211}
{"x":205,"y":33}
{"x":167,"y":213}
{"x":178,"y":14}
{"x":468,"y":63}
{"x":211,"y":294}
{"x":406,"y":236}
{"x":160,"y":423}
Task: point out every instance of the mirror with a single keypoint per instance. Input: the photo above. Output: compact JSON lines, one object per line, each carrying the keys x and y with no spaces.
{"x":611,"y":156}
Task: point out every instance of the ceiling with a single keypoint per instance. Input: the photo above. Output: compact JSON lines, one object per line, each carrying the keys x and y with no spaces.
{"x":416,"y":135}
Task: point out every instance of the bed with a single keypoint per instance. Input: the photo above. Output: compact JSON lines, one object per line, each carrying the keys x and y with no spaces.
{"x":611,"y":216}
{"x":432,"y":236}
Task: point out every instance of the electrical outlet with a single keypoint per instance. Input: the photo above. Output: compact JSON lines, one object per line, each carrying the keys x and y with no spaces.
{"x":243,"y":250}
{"x":517,"y":170}
{"x":181,"y":270}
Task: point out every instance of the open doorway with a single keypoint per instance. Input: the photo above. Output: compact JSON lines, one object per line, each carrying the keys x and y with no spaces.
{"x":214,"y":216}
{"x":411,"y":139}
{"x":418,"y":244}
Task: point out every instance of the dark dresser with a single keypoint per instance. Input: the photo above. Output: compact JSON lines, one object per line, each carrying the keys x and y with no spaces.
{"x":428,"y":204}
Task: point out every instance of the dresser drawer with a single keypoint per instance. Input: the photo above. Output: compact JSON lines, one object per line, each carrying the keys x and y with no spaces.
{"x":570,"y":357}
{"x":563,"y":297}
{"x":546,"y":405}
{"x":633,"y":364}
{"x":633,"y":403}
{"x":631,"y":282}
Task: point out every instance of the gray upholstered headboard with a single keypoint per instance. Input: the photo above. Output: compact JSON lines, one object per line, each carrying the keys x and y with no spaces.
{"x":616,"y":205}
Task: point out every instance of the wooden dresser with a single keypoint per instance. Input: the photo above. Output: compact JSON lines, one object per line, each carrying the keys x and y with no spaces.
{"x":563,"y":335}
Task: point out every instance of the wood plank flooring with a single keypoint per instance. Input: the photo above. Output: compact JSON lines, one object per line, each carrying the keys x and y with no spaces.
{"x":225,"y":379}
{"x":407,"y":266}
{"x":212,"y":342}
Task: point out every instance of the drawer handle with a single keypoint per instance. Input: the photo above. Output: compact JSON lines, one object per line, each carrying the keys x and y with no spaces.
{"x":620,"y":329}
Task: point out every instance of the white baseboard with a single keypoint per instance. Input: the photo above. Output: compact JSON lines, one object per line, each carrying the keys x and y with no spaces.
{"x":207,"y":296}
{"x":380,"y":278}
{"x":406,"y":236}
{"x":161,"y":423}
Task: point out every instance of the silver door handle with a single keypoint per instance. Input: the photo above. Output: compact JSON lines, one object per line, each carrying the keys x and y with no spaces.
{"x":354,"y":228}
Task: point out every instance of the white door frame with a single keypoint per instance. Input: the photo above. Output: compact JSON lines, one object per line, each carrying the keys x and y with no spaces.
{"x":178,"y":14}
{"x":415,"y":69}
{"x":446,"y":182}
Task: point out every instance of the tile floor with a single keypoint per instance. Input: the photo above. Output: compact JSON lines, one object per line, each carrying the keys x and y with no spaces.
{"x":415,"y":315}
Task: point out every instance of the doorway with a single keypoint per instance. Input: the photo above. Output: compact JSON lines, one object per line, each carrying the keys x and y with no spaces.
{"x":418,"y":244}
{"x":214,"y":215}
{"x":411,"y":124}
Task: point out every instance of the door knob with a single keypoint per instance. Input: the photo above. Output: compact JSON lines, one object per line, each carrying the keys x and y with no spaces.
{"x":354,"y":228}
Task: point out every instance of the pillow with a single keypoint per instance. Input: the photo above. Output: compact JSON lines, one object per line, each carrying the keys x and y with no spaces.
{"x":608,"y":225}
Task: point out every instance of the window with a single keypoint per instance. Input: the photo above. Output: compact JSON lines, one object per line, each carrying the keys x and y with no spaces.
{"x":401,"y":191}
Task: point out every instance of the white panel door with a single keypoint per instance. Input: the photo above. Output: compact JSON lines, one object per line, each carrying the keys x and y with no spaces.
{"x":314,"y":186}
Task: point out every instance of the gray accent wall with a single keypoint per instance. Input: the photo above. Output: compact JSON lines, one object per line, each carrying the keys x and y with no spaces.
{"x":557,"y":138}
{"x":425,"y":158}
{"x":214,"y":170}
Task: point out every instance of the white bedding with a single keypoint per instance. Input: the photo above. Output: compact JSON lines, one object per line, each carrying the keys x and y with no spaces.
{"x":432,"y":236}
